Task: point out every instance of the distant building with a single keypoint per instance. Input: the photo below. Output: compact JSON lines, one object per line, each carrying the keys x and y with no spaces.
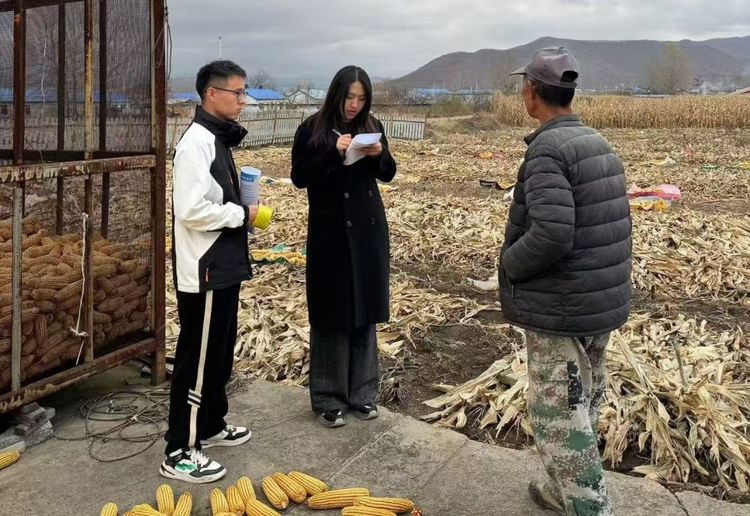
{"x":428,"y":95}
{"x":473,"y":97}
{"x":743,"y":91}
{"x":263,"y":98}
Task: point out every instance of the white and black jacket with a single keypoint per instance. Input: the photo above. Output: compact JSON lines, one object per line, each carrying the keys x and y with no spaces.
{"x":209,"y":235}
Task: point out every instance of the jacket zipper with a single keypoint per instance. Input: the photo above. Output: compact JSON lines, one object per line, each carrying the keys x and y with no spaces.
{"x":206,"y":275}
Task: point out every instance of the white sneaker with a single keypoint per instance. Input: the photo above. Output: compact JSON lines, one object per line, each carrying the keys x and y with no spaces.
{"x":190,"y":465}
{"x":230,"y":436}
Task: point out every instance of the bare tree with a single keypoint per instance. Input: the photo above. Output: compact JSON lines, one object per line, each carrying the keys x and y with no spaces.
{"x":499,"y":78}
{"x":305,"y":85}
{"x":261,"y":79}
{"x":671,"y":72}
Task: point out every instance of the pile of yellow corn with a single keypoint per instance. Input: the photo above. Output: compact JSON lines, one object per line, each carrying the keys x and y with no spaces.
{"x":165,"y":504}
{"x":240,"y":499}
{"x":52,"y":281}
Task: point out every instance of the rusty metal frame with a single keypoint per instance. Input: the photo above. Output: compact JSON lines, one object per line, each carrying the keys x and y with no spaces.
{"x":94,"y":162}
{"x":19,"y":398}
{"x":41,"y":171}
{"x":61,"y":58}
{"x":158,"y":188}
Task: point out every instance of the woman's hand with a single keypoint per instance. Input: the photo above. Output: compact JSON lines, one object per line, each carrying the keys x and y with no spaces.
{"x":373,"y":150}
{"x":343,"y":143}
{"x":252,"y":213}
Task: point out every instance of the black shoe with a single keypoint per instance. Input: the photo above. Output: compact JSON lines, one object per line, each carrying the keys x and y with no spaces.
{"x":332,"y":418}
{"x":366,"y":412}
{"x":190,"y":465}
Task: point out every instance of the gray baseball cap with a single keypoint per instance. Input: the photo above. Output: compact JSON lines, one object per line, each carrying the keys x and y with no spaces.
{"x":550,"y":65}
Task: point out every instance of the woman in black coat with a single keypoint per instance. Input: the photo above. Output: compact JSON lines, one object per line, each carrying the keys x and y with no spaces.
{"x":348,"y":253}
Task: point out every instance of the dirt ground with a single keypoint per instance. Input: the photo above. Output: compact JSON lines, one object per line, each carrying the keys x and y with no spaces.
{"x":438,"y":185}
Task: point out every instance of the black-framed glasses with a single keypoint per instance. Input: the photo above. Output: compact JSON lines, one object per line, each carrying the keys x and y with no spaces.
{"x":241,"y":95}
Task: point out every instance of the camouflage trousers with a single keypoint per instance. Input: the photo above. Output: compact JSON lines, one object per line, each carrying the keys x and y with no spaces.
{"x":567,"y":381}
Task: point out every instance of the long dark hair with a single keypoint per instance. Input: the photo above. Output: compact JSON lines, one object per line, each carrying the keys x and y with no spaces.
{"x":331,"y":116}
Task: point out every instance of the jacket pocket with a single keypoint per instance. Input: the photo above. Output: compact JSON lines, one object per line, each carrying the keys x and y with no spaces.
{"x":505,"y":282}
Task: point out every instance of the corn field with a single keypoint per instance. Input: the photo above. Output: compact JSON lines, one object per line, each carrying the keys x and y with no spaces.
{"x":618,"y":112}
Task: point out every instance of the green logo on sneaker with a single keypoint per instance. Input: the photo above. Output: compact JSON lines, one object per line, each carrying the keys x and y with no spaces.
{"x":186,"y":467}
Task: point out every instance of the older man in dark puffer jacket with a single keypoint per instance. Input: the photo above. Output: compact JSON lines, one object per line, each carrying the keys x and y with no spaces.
{"x":565,"y":278}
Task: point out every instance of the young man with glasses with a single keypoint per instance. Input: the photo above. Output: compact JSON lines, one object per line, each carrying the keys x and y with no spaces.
{"x":210,"y":261}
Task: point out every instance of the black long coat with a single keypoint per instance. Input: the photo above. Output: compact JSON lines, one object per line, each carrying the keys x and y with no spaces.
{"x":348,"y":246}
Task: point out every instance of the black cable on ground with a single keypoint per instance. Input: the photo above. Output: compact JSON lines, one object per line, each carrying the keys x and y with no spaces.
{"x":146,"y":410}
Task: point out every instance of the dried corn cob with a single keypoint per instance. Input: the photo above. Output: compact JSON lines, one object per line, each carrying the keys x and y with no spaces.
{"x":29,"y":314}
{"x":165,"y":499}
{"x":141,"y":272}
{"x":46,"y":307}
{"x":9,"y":458}
{"x":110,"y":249}
{"x":111,"y":305}
{"x":273,"y":492}
{"x":39,"y":251}
{"x":40,"y":330}
{"x":292,"y":488}
{"x":234,"y":499}
{"x":27,"y":361}
{"x":29,"y":345}
{"x":125,"y":311}
{"x":256,"y":508}
{"x":104,"y":269}
{"x":72,"y":343}
{"x":71,"y":302}
{"x":144,"y":510}
{"x":218,"y":501}
{"x":397,"y":505}
{"x":71,"y":291}
{"x":42,"y":262}
{"x":48,"y":282}
{"x":56,"y":337}
{"x":337,"y":499}
{"x":184,"y":505}
{"x":100,"y":318}
{"x":33,"y":241}
{"x":358,"y":510}
{"x":128,"y":266}
{"x":137,"y":292}
{"x":112,"y":284}
{"x":71,"y":260}
{"x":109,"y":510}
{"x":311,"y":484}
{"x":245,"y":487}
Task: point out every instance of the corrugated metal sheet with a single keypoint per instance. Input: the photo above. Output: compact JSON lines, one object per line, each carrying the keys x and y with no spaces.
{"x":262,"y":94}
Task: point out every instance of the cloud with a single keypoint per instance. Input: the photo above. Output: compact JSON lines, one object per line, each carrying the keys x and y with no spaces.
{"x":302,"y":39}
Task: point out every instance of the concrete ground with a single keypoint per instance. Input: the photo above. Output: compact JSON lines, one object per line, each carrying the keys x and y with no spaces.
{"x":445,"y":473}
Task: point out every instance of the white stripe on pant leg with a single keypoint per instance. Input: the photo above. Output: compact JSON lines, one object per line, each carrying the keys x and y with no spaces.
{"x":201,"y":367}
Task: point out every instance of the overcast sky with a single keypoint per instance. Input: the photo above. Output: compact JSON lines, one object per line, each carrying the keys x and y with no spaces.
{"x":299,"y":39}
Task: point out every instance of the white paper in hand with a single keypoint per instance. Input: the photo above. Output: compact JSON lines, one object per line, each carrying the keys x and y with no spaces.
{"x":354,"y":152}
